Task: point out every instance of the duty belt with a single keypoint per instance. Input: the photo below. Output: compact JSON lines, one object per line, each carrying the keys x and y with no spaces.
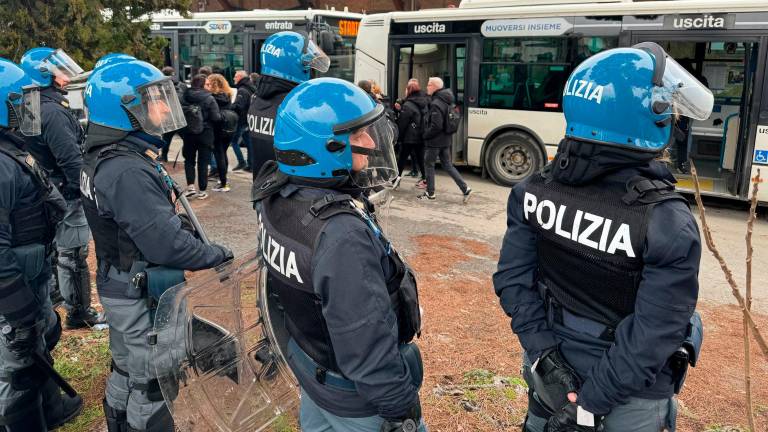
{"x":321,"y":374}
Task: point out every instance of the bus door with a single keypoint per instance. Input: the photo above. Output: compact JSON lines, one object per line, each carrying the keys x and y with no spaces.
{"x":445,"y":59}
{"x":253,"y":44}
{"x":171,"y":50}
{"x":720,"y":145}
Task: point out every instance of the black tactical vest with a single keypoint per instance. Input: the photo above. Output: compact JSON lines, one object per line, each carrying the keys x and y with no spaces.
{"x":113,"y":245}
{"x":290,"y":229}
{"x":591,"y":240}
{"x":37,"y":222}
{"x":261,"y":127}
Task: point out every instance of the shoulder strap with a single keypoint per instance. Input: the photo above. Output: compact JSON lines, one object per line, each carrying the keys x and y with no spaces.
{"x":642,"y":190}
{"x":331,"y":205}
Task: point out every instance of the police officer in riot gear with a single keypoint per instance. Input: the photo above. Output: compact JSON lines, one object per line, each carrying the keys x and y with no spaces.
{"x":350,"y":302}
{"x":57,"y":149}
{"x":599,"y":265}
{"x":131,"y":211}
{"x":30,"y":210}
{"x":286,"y":60}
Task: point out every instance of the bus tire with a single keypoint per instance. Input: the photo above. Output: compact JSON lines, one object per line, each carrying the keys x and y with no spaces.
{"x":511,"y":157}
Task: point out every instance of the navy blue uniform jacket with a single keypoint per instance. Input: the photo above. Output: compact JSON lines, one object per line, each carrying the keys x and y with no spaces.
{"x":634,"y":364}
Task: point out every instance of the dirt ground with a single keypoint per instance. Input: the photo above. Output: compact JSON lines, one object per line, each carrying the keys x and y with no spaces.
{"x":472,"y":358}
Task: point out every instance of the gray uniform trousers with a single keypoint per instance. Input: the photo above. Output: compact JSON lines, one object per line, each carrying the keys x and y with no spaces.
{"x":637,"y":415}
{"x":72,"y":237}
{"x":9,"y":363}
{"x":129,"y":324}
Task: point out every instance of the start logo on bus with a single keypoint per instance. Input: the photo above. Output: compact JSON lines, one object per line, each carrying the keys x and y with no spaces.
{"x":218,"y":27}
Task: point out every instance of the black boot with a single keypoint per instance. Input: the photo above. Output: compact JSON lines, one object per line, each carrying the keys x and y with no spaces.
{"x":80,"y":319}
{"x":59,"y":409}
{"x":117,"y":420}
{"x":25,"y":416}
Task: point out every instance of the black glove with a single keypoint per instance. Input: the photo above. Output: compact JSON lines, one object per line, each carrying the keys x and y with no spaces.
{"x":228,"y":255}
{"x":21,"y":340}
{"x":564,"y":420}
{"x":553,"y":378}
{"x":409,"y":423}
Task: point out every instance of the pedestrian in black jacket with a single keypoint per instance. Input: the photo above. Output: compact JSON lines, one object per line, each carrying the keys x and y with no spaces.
{"x":437,"y":141}
{"x":180,"y":89}
{"x":197,"y":147}
{"x":409,"y":126}
{"x":222,"y":94}
{"x":245,"y":90}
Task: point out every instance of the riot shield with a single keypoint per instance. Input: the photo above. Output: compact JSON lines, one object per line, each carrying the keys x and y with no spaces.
{"x":216,"y":354}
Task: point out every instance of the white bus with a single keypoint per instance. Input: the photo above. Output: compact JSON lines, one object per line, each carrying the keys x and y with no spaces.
{"x":231,"y":40}
{"x":507,"y":63}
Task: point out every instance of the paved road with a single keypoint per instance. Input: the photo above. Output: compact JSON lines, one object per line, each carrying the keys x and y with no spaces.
{"x":229,"y":218}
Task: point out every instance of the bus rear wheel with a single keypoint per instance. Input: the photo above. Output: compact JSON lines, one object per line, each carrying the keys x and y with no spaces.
{"x":511,"y":157}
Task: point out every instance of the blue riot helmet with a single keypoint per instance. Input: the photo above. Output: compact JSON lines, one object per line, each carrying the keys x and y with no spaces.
{"x":112,"y":58}
{"x":45,"y":64}
{"x":290,"y":56}
{"x":329,"y":128}
{"x":629,"y":97}
{"x":20,"y":100}
{"x":131,"y":96}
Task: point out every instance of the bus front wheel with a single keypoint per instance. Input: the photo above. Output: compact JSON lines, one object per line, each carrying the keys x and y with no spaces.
{"x":511,"y":157}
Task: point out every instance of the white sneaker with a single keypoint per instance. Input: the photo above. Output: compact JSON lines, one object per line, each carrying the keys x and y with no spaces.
{"x":191,"y":191}
{"x":467,"y":195}
{"x":202,"y":195}
{"x":396,"y":182}
{"x":220,"y":188}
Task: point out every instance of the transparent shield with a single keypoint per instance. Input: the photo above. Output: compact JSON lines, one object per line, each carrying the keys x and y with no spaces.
{"x":215,"y":352}
{"x":315,"y":58}
{"x":382,"y":203}
{"x":685,"y":94}
{"x":59,"y":63}
{"x":29,"y":116}
{"x":157,"y":109}
{"x":373,"y":153}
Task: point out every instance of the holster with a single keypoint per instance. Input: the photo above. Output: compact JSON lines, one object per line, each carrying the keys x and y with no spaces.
{"x":688,"y":353}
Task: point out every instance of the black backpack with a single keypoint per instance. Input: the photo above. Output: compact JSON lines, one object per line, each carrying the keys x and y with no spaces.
{"x":193,"y":114}
{"x":229,"y":120}
{"x":452,"y":120}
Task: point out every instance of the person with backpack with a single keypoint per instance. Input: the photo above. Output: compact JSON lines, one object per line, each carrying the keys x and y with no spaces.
{"x":201,"y":112}
{"x":409,"y":126}
{"x":245,"y":90}
{"x":225,"y":128}
{"x":180,"y":87}
{"x":440,"y":124}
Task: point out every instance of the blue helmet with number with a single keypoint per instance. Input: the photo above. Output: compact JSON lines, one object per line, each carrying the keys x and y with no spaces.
{"x":290,"y":56}
{"x":112,"y":58}
{"x":330,"y":128}
{"x":629,"y":97}
{"x":19,"y":100}
{"x":44,"y":64}
{"x":132,"y":96}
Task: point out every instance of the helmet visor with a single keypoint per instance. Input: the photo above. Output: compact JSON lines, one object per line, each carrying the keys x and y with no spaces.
{"x":315,"y":58}
{"x":26,"y":107}
{"x":684,"y":94}
{"x":373,"y":153}
{"x":158,"y":110}
{"x":60,"y":64}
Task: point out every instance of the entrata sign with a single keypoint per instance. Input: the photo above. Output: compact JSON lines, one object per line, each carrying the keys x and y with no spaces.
{"x":218,"y":27}
{"x":699,"y":22}
{"x":526,"y":27}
